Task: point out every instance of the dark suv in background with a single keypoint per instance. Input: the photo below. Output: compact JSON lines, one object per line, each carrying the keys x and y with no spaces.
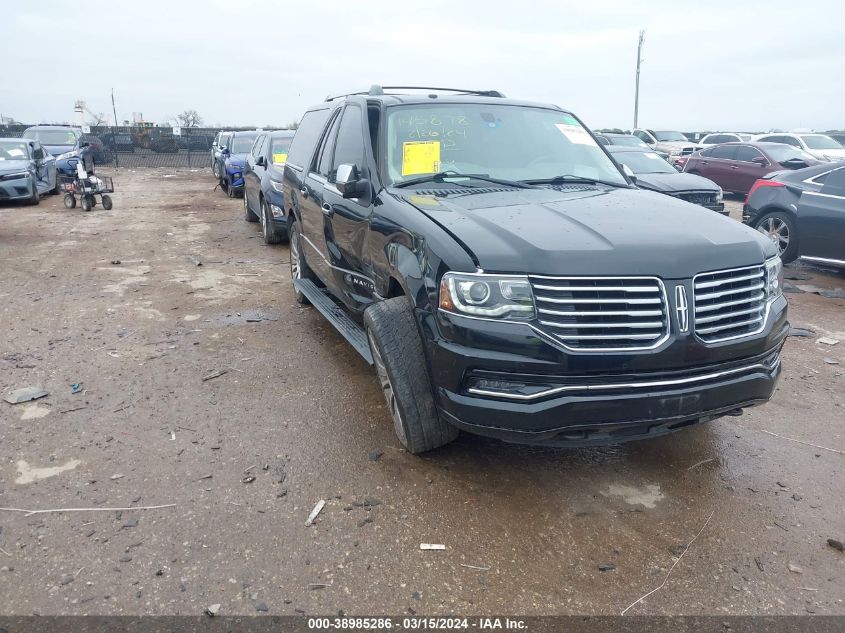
{"x":505,"y":277}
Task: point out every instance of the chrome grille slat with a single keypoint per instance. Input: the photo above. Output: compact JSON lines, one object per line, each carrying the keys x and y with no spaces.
{"x":729,"y":303}
{"x":643,"y":313}
{"x":602,"y":313}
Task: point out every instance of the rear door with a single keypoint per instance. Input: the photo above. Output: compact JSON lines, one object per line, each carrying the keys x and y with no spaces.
{"x":346,"y":221}
{"x":715,"y":163}
{"x":312,"y":205}
{"x":821,"y":219}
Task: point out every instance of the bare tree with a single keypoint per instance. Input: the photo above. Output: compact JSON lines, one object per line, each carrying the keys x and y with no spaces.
{"x":98,"y":119}
{"x":189,"y":118}
{"x":293,"y":126}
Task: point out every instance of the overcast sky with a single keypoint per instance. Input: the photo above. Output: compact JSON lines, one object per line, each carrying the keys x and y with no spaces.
{"x":716,"y":65}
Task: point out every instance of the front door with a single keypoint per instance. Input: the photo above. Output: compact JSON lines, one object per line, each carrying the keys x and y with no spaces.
{"x":253,"y":172}
{"x":821,"y":219}
{"x":346,"y":221}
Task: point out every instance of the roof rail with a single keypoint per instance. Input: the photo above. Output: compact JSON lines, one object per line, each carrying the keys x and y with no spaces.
{"x":376,"y":90}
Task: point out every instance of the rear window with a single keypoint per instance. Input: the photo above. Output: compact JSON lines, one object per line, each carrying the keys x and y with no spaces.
{"x":307,"y":136}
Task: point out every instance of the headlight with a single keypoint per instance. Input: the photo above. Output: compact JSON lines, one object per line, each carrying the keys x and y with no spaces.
{"x":70,"y":154}
{"x":774,"y":278}
{"x":491,"y":296}
{"x":16,"y":175}
{"x":277,"y":186}
{"x":720,"y":195}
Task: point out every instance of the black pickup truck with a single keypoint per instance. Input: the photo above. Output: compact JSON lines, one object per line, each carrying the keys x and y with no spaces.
{"x":506,"y":278}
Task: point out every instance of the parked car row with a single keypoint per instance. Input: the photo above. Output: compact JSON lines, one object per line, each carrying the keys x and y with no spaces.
{"x":508,"y":273}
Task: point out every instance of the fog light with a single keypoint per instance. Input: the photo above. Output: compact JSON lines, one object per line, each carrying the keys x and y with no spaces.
{"x":488,"y":386}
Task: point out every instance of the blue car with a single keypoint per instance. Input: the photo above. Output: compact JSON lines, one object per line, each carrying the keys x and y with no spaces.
{"x":262,"y":172}
{"x":27,"y":170}
{"x":234,"y":155}
{"x":62,"y":141}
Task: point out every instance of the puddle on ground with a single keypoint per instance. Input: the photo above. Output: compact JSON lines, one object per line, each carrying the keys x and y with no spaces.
{"x":34,"y":411}
{"x":242,"y":317}
{"x":28,"y":474}
{"x":647,"y":496}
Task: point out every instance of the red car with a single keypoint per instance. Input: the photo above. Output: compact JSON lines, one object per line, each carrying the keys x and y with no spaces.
{"x":735,"y":167}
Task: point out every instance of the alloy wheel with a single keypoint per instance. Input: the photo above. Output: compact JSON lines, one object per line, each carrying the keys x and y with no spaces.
{"x":387,"y":388}
{"x":264,"y":220}
{"x":295,"y":268}
{"x":776,"y":230}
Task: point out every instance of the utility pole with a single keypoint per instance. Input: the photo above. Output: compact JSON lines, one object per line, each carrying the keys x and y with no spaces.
{"x":114,"y":110}
{"x":637,"y":89}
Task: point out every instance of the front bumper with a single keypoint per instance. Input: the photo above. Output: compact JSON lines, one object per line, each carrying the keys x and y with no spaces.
{"x":235,"y":177}
{"x":512,"y":384}
{"x":275,"y":200}
{"x":718,"y":208}
{"x":17,"y":189}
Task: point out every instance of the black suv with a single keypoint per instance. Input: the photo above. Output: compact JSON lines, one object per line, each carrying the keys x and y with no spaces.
{"x":506,"y":278}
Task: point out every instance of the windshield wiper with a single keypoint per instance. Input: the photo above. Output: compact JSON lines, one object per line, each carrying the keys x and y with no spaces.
{"x":442,"y":175}
{"x":571,"y":178}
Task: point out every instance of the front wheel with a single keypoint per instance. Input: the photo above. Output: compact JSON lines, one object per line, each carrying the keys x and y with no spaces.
{"x":268,"y":231}
{"x":70,"y":201}
{"x":396,"y":345}
{"x":107,"y":202}
{"x":215,"y":169}
{"x":780,"y":228}
{"x":35,"y":198}
{"x":86,"y":203}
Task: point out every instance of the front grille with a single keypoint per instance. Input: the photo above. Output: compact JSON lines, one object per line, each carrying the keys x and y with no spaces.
{"x":602,"y":313}
{"x":697,"y":197}
{"x":687,"y":150}
{"x":730,"y":303}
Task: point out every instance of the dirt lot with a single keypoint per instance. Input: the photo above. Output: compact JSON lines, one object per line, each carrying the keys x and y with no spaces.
{"x":111,"y":301}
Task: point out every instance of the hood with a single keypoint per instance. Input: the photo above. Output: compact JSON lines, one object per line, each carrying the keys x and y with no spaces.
{"x":593,"y":231}
{"x":236,"y":160}
{"x":670,"y":183}
{"x":836,"y":154}
{"x":13,"y":166}
{"x":56,"y":150}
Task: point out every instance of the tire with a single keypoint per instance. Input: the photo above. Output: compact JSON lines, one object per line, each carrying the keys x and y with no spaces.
{"x":57,"y":190}
{"x":271,"y":235}
{"x":299,"y":268}
{"x":85,"y":203}
{"x":249,"y":215}
{"x":70,"y":201}
{"x":230,"y":191}
{"x":402,"y":373}
{"x":215,"y":169}
{"x":35,"y":198}
{"x":780,"y":228}
{"x":107,"y":202}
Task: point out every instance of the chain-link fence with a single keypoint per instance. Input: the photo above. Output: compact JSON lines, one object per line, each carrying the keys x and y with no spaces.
{"x":141,"y":146}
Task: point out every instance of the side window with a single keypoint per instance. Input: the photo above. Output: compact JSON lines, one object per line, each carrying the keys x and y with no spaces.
{"x":725,"y":152}
{"x":834,"y":184}
{"x":792,"y":141}
{"x":642,"y":136}
{"x":349,"y":147}
{"x":770,"y":139}
{"x":307,"y":137}
{"x":323,"y":160}
{"x":747,"y":153}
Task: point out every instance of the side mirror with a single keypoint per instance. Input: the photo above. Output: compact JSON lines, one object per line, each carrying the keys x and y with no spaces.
{"x":349,"y":183}
{"x":759,"y":160}
{"x":629,"y":172}
{"x":84,"y":144}
{"x":260,"y":162}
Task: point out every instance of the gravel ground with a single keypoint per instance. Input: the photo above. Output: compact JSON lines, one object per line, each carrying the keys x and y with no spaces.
{"x":112,"y":302}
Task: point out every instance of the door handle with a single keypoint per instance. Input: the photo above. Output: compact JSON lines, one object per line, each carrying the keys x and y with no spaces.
{"x":304,"y":192}
{"x":327,"y":209}
{"x":734,"y":166}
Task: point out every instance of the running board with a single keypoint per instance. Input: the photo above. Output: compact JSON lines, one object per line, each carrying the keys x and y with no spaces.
{"x":337,"y":316}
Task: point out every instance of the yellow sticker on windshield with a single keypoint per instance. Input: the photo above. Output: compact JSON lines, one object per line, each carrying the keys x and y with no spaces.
{"x":280,"y":158}
{"x":420,"y":157}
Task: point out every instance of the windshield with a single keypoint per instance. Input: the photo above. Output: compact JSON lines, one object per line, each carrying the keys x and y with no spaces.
{"x":670,"y":136}
{"x":53,"y":137}
{"x":498,"y":141}
{"x":242,"y":144}
{"x":13,"y":150}
{"x":820,"y":141}
{"x":627,"y":141}
{"x":782,"y":153}
{"x":279,"y":149}
{"x":645,"y":163}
